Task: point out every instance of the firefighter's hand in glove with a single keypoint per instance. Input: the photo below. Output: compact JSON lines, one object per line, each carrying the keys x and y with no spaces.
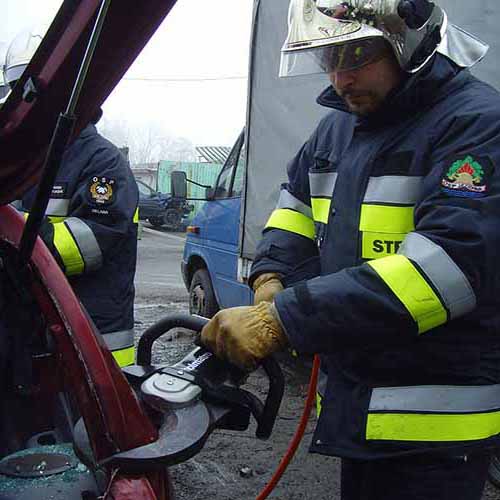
{"x":245,"y":335}
{"x":266,"y":286}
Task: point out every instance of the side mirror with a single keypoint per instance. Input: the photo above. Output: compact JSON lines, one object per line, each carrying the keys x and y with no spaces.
{"x":178,"y":186}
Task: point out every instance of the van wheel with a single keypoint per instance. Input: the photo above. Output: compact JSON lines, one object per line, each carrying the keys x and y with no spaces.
{"x":202,"y":299}
{"x":494,"y":471}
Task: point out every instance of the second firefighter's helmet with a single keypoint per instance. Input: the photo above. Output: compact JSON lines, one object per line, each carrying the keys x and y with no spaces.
{"x":20,"y":52}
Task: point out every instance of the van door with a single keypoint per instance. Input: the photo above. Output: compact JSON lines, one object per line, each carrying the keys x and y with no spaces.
{"x":223,"y":228}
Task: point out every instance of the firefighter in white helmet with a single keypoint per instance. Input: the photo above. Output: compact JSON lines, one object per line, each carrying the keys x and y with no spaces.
{"x":21,"y":51}
{"x":92,"y":219}
{"x":381,"y":253}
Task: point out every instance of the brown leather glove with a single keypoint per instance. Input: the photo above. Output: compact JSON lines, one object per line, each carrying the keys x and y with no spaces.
{"x":266,"y":286}
{"x":245,"y":335}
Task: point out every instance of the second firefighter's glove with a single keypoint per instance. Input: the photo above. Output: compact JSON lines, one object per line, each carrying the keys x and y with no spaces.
{"x":245,"y":335}
{"x":266,"y":286}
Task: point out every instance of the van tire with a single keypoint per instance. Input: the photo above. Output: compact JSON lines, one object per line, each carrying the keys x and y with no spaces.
{"x":494,"y":471}
{"x":202,"y":299}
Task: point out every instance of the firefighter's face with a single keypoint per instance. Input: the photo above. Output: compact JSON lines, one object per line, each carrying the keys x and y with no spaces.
{"x":365,"y":89}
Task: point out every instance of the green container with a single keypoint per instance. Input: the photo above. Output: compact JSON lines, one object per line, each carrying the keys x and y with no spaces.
{"x":202,"y":173}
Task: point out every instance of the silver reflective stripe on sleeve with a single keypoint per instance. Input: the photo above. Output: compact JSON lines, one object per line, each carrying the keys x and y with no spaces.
{"x":57,"y":208}
{"x":395,"y":189}
{"x":448,"y":279}
{"x":287,"y":200}
{"x":119,"y":340}
{"x":436,"y":399}
{"x":322,"y":185}
{"x":87,"y":243}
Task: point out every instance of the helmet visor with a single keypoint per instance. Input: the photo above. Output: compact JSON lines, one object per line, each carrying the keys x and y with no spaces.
{"x":347,"y":56}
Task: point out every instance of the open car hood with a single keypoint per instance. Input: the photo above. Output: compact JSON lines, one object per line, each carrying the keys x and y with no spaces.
{"x":26,"y":127}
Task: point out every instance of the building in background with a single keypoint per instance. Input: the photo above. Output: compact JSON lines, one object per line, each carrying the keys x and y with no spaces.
{"x":203,"y":171}
{"x":147,"y":173}
{"x":212,"y":154}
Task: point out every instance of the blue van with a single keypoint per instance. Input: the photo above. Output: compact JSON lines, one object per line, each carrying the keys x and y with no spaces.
{"x":210,"y":261}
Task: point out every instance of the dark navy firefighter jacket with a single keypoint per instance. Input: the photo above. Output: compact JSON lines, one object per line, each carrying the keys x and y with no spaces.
{"x":92,"y":231}
{"x":387,"y":236}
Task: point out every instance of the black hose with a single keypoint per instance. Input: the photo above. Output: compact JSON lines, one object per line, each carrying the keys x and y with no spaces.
{"x":154,"y":332}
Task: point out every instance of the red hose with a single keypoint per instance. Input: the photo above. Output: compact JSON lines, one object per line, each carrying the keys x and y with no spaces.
{"x":299,"y":433}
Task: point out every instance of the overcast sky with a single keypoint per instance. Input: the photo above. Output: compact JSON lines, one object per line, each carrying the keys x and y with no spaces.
{"x":191,"y":86}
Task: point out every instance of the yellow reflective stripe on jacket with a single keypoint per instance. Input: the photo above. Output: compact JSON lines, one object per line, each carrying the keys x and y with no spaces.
{"x":432,"y":428}
{"x":383,"y":229}
{"x":52,"y":218}
{"x":412,"y":290}
{"x":386,"y":219}
{"x":293,"y":222}
{"x":56,"y":220}
{"x":377,"y":245}
{"x":136,"y":215}
{"x":449,"y":281}
{"x":124,"y":357}
{"x":434,"y":413}
{"x":68,"y":250}
{"x":288,"y":200}
{"x":121,"y":345}
{"x":320,"y":390}
{"x":86,"y":240}
{"x":321,"y":209}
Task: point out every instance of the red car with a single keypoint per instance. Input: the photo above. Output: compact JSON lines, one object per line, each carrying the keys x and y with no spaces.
{"x":73,"y":425}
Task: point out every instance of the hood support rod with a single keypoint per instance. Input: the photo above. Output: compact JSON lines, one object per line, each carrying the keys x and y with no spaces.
{"x":60,"y":138}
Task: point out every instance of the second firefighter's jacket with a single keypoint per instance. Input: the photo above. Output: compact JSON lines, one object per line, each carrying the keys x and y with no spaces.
{"x":93,"y":231}
{"x":398,"y":217}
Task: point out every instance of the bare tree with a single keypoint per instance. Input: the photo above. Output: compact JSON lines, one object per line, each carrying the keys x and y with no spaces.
{"x":147,"y":143}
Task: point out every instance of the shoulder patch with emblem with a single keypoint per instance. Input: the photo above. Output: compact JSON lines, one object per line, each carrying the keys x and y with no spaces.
{"x":102,"y":190}
{"x":467,"y":177}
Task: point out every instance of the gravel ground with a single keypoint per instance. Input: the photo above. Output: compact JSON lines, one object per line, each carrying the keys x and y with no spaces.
{"x":236,"y":465}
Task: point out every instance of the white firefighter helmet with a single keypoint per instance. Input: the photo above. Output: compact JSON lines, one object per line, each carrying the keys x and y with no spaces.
{"x":21,"y":50}
{"x":335,"y":35}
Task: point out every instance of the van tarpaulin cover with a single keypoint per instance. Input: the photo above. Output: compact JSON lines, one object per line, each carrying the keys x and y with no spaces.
{"x":282,"y":114}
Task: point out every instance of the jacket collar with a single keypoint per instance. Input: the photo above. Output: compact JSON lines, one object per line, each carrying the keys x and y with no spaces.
{"x":416,"y":93}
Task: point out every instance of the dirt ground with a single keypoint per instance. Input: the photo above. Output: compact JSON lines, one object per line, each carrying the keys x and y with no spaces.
{"x":236,"y":465}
